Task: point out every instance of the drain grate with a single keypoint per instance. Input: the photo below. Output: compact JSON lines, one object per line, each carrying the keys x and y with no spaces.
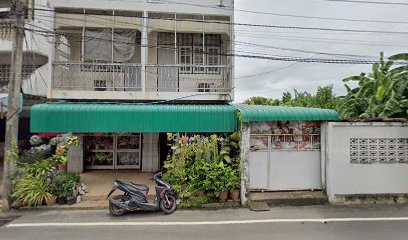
{"x":6,"y":219}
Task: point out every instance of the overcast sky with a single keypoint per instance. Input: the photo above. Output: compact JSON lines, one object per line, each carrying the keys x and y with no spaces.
{"x":308,"y":76}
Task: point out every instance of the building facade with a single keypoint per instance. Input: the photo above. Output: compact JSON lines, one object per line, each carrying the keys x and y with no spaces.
{"x":128,"y":53}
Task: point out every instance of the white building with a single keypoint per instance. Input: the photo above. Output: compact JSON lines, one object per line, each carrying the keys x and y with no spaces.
{"x":121,"y":52}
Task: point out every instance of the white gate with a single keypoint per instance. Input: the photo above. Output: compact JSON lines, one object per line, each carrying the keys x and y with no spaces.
{"x":289,"y":161}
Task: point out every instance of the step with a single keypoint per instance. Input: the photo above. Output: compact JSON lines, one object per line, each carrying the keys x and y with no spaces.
{"x":290,"y":198}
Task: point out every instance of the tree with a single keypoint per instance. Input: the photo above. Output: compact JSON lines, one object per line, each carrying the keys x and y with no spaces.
{"x":262,"y":101}
{"x":324,"y":98}
{"x":382,"y":93}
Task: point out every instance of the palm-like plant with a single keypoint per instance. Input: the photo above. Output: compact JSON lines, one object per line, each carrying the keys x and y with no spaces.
{"x":382,"y":93}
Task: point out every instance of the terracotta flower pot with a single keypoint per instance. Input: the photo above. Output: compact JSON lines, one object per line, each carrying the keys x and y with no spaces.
{"x":223,"y":196}
{"x":234,"y":194}
{"x":51,"y":201}
{"x":62,"y":168}
{"x":200,"y":193}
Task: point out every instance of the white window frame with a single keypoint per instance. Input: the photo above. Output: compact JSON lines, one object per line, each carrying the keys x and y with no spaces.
{"x":182,"y":50}
{"x":210,"y":57}
{"x":199,"y":59}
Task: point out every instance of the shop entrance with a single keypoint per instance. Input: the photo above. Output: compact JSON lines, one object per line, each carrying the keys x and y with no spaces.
{"x":112,"y":151}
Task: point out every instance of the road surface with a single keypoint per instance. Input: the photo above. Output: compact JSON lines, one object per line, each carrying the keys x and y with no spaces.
{"x":318,"y":222}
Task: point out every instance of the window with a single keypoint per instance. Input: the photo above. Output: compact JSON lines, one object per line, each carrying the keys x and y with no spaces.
{"x":185,"y":57}
{"x":199,"y":59}
{"x":213,"y":59}
{"x":192,"y":51}
{"x":122,"y":49}
{"x":285,"y":136}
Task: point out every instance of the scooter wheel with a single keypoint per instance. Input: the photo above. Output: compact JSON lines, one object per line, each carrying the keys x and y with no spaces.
{"x":114,"y":210}
{"x":168,"y":205}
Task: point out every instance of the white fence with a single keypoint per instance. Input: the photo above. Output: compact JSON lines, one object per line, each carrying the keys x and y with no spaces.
{"x":365,"y":158}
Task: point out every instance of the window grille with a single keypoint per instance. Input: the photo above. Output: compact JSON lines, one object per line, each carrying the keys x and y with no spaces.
{"x":285,"y":142}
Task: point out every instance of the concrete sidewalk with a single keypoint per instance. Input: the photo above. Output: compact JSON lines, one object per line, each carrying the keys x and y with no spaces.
{"x":100,"y":182}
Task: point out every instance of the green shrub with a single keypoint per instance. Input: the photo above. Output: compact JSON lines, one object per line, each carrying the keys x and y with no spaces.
{"x":197,"y":175}
{"x":217,"y":179}
{"x":31,"y":190}
{"x":40,"y":168}
{"x":33,"y":155}
{"x":194,"y":201}
{"x":63,"y":185}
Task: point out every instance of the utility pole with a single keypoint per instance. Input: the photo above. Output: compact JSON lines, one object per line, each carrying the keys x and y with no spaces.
{"x":14,"y":88}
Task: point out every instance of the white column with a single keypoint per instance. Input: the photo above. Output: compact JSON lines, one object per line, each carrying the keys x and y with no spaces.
{"x":245,"y":176}
{"x":144,"y":50}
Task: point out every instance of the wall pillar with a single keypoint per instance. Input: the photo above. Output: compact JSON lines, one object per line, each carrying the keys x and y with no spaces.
{"x":144,"y":50}
{"x":150,"y":152}
{"x":245,"y":176}
{"x":76,"y":157}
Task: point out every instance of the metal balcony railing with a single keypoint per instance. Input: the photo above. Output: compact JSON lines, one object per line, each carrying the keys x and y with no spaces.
{"x":97,"y":76}
{"x":188,"y":78}
{"x":127,"y":77}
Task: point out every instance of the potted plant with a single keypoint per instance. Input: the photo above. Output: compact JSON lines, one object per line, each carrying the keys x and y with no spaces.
{"x":31,"y":190}
{"x":197,"y":177}
{"x":61,"y":158}
{"x":62,"y":161}
{"x":217,"y":180}
{"x":65,"y":184}
{"x":50,"y":201}
{"x":234,"y":184}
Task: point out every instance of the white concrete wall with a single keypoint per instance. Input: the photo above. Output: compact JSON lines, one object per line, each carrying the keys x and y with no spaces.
{"x":346,"y":178}
{"x":285,"y":170}
{"x":150,"y":152}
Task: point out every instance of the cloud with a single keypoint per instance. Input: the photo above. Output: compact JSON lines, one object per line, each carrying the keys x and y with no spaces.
{"x":308,"y":76}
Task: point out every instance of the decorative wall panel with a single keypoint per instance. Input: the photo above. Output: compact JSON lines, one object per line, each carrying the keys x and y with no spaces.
{"x":378,"y":150}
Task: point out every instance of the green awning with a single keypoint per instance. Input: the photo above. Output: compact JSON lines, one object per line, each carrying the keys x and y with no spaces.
{"x":258,"y":113}
{"x":110,"y":117}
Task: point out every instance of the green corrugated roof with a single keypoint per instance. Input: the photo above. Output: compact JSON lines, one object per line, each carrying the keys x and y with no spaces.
{"x":258,"y":113}
{"x":110,"y":117}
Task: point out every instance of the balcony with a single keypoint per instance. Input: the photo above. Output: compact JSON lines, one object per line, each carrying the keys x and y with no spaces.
{"x":74,"y":80}
{"x":187,"y":78}
{"x":97,"y":76}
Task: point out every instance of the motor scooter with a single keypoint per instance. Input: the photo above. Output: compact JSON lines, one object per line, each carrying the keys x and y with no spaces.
{"x":135,"y":197}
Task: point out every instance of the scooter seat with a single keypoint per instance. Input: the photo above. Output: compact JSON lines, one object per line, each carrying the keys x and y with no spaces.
{"x":141,"y":187}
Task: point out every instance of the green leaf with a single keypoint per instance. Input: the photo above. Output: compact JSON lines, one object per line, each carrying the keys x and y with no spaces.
{"x":380,"y":92}
{"x":399,"y":57}
{"x":227,"y":159}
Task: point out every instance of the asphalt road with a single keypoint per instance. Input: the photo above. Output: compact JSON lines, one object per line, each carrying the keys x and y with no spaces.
{"x":321,"y":222}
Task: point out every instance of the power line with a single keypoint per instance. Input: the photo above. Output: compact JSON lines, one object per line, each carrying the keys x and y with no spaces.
{"x":263,"y":73}
{"x":264,"y":25}
{"x":328,"y":40}
{"x":370,"y":2}
{"x":266,"y":57}
{"x":33,"y":62}
{"x":240,"y":43}
{"x":303,"y":51}
{"x":268,"y":36}
{"x":288,"y":49}
{"x":292,"y":15}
